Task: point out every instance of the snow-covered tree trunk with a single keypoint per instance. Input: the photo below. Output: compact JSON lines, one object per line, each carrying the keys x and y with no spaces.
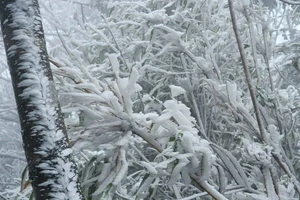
{"x":52,"y":171}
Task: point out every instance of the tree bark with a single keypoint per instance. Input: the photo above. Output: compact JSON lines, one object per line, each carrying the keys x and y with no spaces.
{"x":52,"y":171}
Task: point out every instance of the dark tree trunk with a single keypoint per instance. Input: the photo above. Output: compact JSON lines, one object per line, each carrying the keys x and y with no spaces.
{"x":51,"y":168}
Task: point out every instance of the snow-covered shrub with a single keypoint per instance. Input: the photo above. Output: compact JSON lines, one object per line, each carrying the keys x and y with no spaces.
{"x":162,"y":107}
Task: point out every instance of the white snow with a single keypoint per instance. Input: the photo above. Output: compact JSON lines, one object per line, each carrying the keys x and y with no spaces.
{"x":149,"y":167}
{"x":176,"y":90}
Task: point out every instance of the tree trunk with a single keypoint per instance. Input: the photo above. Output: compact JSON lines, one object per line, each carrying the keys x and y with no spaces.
{"x":52,"y":171}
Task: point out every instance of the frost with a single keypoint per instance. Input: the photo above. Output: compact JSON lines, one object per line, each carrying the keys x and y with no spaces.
{"x":149,"y":167}
{"x":177,"y":169}
{"x":176,"y":90}
{"x":156,"y":17}
{"x":232,"y":93}
{"x":114,"y":62}
{"x":275,"y":138}
{"x":66,"y":152}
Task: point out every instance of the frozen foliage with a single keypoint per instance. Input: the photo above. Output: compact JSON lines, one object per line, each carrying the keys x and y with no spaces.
{"x":163,"y":82}
{"x":157,"y":106}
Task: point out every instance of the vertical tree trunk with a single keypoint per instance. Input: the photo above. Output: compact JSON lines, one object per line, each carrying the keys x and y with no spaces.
{"x":51,"y":169}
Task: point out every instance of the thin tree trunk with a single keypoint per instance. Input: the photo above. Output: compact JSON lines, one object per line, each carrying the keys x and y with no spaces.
{"x":52,"y":171}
